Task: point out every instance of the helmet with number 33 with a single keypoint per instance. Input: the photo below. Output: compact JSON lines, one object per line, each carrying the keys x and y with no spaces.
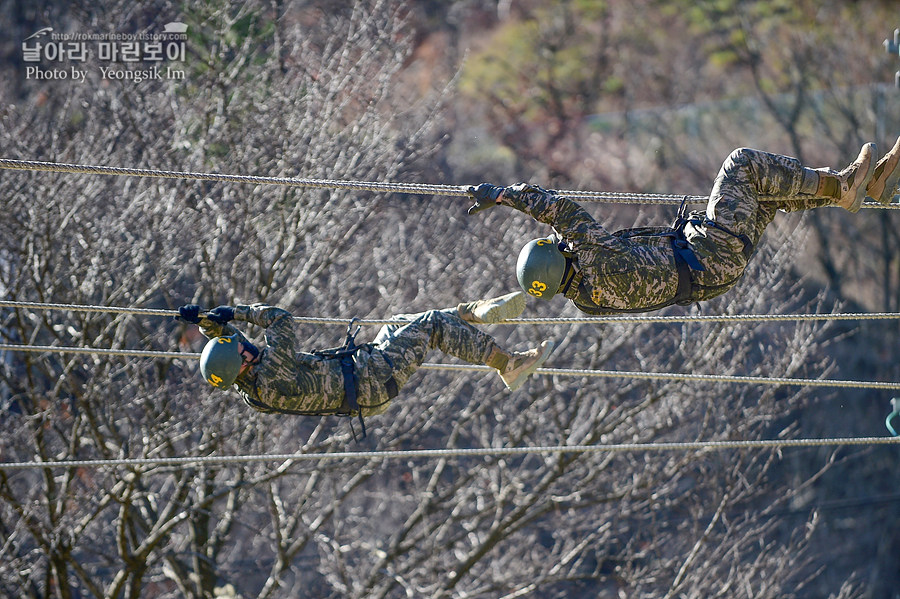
{"x":540,"y":268}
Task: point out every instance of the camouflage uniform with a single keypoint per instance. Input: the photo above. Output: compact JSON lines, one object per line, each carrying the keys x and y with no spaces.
{"x":635,"y":270}
{"x":289,"y":381}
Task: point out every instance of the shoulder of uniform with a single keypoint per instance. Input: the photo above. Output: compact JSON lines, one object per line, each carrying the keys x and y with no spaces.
{"x":520,"y":188}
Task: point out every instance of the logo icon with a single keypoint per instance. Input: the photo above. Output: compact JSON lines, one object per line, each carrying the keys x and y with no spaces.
{"x":39,"y":33}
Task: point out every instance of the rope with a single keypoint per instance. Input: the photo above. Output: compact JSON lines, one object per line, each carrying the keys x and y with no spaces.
{"x":669,"y":376}
{"x":83,"y":308}
{"x":712,"y":318}
{"x":132,"y":353}
{"x":377,"y":186}
{"x":709,"y":378}
{"x":458,"y":452}
{"x":517,"y":321}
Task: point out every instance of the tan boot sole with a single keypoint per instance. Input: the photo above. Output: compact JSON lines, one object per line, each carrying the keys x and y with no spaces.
{"x":516,"y":377}
{"x":884,"y":188}
{"x":498,"y":309}
{"x":865,"y":161}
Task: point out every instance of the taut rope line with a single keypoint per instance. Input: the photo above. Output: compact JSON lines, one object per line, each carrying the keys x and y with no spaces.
{"x":516,"y":321}
{"x":710,"y":378}
{"x":459,"y":452}
{"x":376,"y":186}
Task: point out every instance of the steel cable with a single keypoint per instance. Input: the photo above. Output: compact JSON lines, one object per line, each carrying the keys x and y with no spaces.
{"x":570,"y":372}
{"x":375,"y":186}
{"x":712,"y":318}
{"x":457,"y":452}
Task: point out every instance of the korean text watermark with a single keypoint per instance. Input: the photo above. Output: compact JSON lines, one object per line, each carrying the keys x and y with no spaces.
{"x":49,"y":55}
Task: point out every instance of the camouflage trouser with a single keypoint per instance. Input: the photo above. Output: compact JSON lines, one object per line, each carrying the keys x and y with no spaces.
{"x":401,"y":347}
{"x":752,"y":186}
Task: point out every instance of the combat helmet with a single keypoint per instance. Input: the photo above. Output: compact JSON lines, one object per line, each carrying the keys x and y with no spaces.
{"x":540,"y":267}
{"x":220,"y":362}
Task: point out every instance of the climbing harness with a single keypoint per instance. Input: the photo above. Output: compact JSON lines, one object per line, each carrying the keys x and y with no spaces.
{"x":349,"y":406}
{"x":685,"y":255}
{"x":685,"y":261}
{"x":698,"y":218}
{"x":687,"y":290}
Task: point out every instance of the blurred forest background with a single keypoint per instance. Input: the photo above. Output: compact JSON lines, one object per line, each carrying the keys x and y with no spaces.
{"x":640,"y":96}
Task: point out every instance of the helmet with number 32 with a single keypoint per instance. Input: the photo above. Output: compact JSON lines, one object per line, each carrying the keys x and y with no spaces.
{"x":540,"y":268}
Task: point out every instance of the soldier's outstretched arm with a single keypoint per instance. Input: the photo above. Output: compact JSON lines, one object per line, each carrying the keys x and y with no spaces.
{"x":279,"y":325}
{"x":566,"y":216}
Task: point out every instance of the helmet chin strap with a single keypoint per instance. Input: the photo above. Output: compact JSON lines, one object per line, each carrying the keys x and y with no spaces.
{"x":252,"y":349}
{"x":568,"y":275}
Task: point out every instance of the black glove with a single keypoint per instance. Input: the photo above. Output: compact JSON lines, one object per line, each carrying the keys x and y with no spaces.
{"x":485,"y":196}
{"x":221,"y":315}
{"x":189,"y":313}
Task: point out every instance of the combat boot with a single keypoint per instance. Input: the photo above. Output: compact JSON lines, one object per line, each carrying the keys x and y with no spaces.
{"x":848,"y":187}
{"x":493,"y":310}
{"x":523,"y":364}
{"x":886,"y":176}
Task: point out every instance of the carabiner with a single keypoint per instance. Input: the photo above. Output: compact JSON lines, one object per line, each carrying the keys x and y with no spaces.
{"x":350,"y":341}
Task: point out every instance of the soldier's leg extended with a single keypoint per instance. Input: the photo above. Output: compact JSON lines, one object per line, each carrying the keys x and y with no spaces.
{"x":405,"y":344}
{"x":485,"y":311}
{"x":752,"y":185}
{"x":847,"y":188}
{"x":747,"y":176}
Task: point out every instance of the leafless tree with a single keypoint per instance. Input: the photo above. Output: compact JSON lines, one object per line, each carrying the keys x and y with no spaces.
{"x":291,"y":91}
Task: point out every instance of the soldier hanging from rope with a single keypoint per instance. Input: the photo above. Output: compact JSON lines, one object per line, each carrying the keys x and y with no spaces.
{"x":352,"y":380}
{"x":702,"y":255}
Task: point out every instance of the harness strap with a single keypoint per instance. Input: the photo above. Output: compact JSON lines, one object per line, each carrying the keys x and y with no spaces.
{"x":684,"y":292}
{"x":684,"y":253}
{"x":349,"y":404}
{"x":685,"y":261}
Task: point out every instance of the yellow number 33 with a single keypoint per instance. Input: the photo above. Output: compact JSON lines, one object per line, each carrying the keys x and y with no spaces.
{"x":537,"y":289}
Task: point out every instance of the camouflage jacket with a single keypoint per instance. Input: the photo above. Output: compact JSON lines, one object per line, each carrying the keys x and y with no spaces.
{"x":283,"y":379}
{"x":631,"y":270}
